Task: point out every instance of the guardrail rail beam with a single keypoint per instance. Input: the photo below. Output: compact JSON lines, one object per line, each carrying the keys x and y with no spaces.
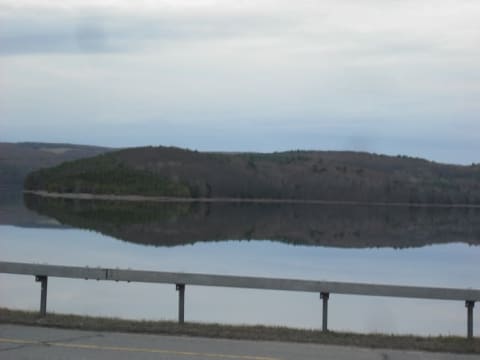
{"x":180,"y":280}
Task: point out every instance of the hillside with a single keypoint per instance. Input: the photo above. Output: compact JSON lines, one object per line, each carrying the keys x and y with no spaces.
{"x":18,"y":159}
{"x":312,"y":175}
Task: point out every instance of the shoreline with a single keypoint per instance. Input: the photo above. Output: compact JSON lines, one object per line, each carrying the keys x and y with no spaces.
{"x":169,"y":199}
{"x":444,"y":344}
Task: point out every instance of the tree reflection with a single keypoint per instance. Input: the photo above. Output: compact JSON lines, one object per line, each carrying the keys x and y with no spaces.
{"x":350,"y":226}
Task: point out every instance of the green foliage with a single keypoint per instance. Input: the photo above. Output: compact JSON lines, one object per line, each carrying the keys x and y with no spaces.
{"x":103,"y":175}
{"x":251,"y":164}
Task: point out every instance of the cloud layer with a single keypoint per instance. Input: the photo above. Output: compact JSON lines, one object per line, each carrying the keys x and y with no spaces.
{"x":386,"y":76}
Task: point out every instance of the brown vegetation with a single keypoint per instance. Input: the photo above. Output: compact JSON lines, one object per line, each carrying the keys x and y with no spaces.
{"x":437,"y":344}
{"x":319,"y":175}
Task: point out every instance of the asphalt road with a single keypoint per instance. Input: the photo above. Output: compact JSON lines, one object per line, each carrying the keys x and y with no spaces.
{"x":25,"y":342}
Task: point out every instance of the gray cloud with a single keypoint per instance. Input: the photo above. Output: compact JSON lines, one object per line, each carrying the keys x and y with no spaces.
{"x":304,"y":30}
{"x":60,"y":32}
{"x":50,"y":34}
{"x":379,"y":77}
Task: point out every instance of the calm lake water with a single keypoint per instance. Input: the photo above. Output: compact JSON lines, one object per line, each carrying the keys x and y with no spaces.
{"x":390,"y":245}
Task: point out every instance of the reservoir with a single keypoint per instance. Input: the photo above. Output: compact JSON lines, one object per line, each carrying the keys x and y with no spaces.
{"x":397,"y":245}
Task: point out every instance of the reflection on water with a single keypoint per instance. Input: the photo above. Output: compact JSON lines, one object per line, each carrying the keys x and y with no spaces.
{"x":357,"y":244}
{"x":170,"y":224}
{"x":13,"y":212}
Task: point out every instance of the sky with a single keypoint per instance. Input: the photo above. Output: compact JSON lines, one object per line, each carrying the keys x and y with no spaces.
{"x":384,"y":76}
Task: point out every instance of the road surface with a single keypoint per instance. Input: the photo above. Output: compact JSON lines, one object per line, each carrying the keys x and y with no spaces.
{"x":25,"y":342}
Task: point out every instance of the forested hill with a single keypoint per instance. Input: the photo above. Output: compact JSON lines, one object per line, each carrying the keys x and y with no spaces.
{"x":309,"y":175}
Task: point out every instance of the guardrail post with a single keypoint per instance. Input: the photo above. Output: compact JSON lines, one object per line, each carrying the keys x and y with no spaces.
{"x":324,"y":296}
{"x":181,"y":303}
{"x":469,"y":304}
{"x":43,"y":293}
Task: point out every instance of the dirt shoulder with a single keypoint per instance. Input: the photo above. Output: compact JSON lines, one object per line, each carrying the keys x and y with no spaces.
{"x":450,"y":344}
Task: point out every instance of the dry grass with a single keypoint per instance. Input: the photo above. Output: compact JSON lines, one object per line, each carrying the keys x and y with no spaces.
{"x":437,"y":344}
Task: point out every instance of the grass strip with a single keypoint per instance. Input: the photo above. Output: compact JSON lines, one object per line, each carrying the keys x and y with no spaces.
{"x":453,"y":344}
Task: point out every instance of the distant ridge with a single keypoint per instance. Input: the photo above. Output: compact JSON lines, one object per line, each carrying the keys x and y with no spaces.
{"x":18,"y":159}
{"x":308,"y":175}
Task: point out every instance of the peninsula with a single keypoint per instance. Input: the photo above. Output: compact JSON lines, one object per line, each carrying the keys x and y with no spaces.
{"x":292,"y":175}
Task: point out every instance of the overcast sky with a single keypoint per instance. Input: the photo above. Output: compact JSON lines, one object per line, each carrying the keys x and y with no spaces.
{"x":385,"y":76}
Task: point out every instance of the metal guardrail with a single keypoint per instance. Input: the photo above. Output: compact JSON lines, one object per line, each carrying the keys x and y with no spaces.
{"x":180,"y":280}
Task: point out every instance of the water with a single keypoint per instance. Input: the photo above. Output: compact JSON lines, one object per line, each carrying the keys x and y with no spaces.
{"x":430,"y":247}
